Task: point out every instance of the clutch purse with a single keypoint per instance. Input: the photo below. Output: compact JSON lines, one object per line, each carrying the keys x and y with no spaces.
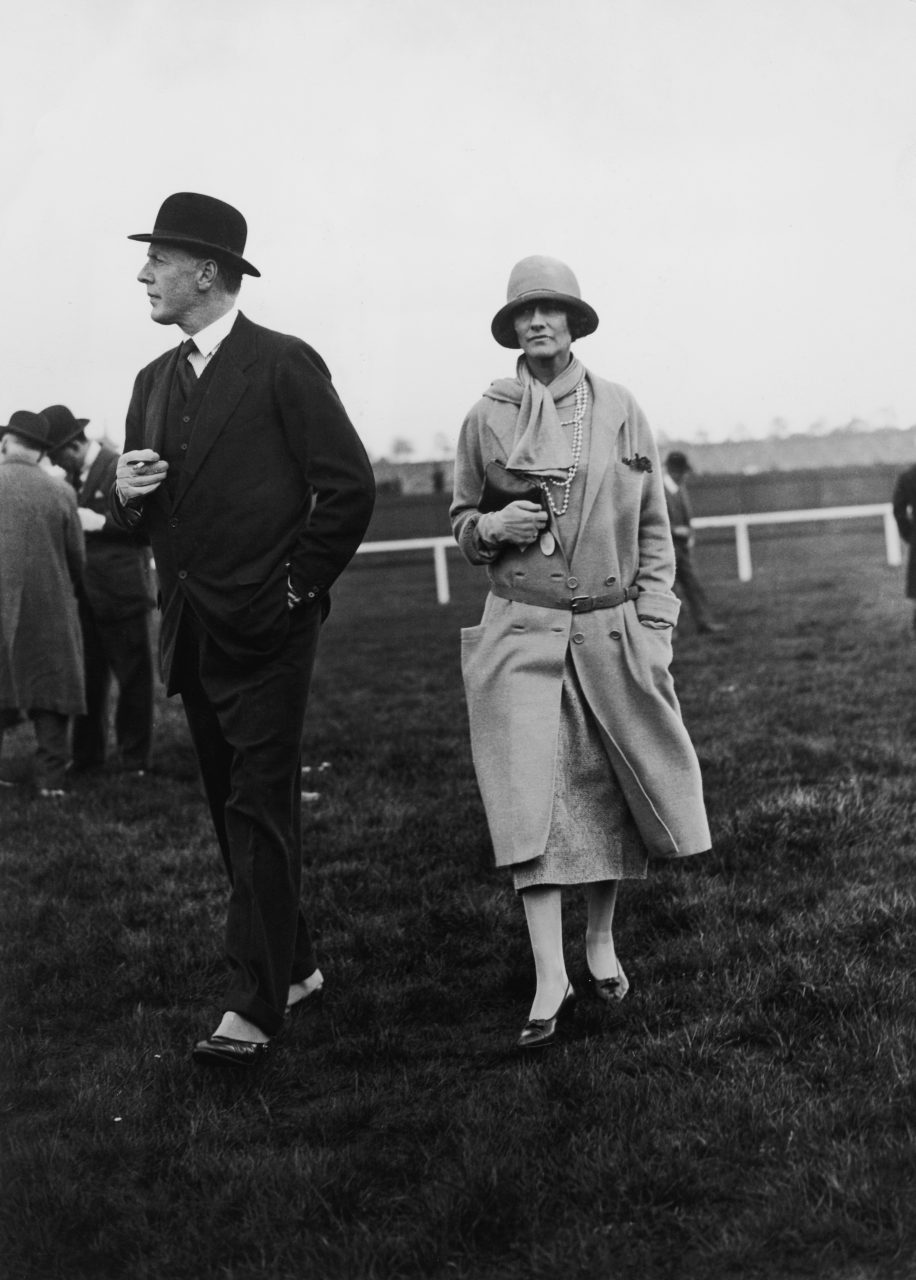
{"x":502,"y":486}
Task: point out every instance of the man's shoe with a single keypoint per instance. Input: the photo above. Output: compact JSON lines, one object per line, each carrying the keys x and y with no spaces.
{"x":538,"y":1033}
{"x":225,"y":1052}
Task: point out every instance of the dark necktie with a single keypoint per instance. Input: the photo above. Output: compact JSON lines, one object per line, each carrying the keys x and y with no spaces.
{"x":187,"y":378}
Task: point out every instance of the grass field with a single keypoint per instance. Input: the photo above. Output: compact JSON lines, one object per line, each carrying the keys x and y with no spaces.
{"x":751,"y":1111}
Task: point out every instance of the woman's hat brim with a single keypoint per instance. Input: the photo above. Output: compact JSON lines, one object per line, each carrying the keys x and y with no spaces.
{"x":503,"y":329}
{"x":190,"y":242}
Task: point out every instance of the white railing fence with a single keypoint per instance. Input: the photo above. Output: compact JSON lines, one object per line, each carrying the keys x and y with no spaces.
{"x":741,"y":524}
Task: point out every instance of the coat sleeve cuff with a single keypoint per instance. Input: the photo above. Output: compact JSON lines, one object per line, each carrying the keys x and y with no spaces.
{"x":659,"y":605}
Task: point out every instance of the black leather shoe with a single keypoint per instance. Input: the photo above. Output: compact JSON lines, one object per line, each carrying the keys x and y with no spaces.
{"x":224,"y":1051}
{"x":610,"y":990}
{"x":538,"y":1033}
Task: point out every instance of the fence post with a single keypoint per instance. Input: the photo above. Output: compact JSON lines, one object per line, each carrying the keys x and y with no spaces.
{"x":892,"y":539}
{"x":743,"y":548}
{"x":442,"y":591}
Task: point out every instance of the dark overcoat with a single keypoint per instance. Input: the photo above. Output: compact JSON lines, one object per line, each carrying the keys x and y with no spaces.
{"x":514,"y":661}
{"x":41,"y":561}
{"x":117,"y":582}
{"x":904,"y":502}
{"x":275,"y":485}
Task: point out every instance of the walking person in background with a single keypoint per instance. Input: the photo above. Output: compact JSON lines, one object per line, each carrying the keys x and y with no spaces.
{"x":41,"y":562}
{"x":242,"y":467}
{"x":679,"y":514}
{"x":581,"y":756}
{"x":114,"y":606}
{"x":904,"y":504}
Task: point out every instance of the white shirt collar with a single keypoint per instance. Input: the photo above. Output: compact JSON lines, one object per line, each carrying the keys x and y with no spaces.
{"x":207,"y":340}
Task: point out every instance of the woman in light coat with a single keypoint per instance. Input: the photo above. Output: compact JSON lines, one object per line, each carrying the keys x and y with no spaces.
{"x":583,"y":761}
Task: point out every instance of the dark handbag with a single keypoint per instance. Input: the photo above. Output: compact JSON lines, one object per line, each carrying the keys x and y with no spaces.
{"x":502,"y":486}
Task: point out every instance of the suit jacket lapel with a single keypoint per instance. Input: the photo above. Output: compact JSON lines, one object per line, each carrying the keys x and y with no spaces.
{"x":158,"y":404}
{"x":227,"y":386}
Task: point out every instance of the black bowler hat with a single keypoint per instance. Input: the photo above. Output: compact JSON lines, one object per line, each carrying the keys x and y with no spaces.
{"x":677,"y":461}
{"x":202,"y":222}
{"x":33,"y":427}
{"x":64,"y":427}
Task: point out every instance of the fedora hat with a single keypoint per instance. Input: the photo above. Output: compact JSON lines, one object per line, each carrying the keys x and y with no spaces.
{"x":33,"y":427}
{"x":64,"y":427}
{"x":540,"y":279}
{"x":202,"y":222}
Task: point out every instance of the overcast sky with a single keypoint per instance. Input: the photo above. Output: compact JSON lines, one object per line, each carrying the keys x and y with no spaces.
{"x":733,"y":182}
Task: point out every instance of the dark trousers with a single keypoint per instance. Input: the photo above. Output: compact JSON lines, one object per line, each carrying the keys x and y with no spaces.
{"x":246,"y":723}
{"x":51,"y":754}
{"x":688,"y":585}
{"x":120,"y":649}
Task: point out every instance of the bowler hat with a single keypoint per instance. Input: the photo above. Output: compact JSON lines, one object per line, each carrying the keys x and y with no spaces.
{"x":202,"y":222}
{"x":64,"y":427}
{"x":33,"y":427}
{"x":540,"y":279}
{"x":677,"y":461}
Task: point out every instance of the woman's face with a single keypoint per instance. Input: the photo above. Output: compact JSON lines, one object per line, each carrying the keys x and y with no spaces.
{"x":543,"y":333}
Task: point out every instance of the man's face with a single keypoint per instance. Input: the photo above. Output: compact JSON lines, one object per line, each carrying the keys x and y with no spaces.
{"x":171,"y":278}
{"x":543,"y":332}
{"x":71,"y":456}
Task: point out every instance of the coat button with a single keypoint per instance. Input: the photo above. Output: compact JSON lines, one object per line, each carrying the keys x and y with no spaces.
{"x":186,"y":419}
{"x":615,"y":635}
{"x":578,"y":638}
{"x":572,"y":583}
{"x":173,"y":523}
{"x":609,"y":582}
{"x":182,"y":573}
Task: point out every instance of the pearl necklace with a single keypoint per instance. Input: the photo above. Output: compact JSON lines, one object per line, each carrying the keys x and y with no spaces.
{"x":575,"y":422}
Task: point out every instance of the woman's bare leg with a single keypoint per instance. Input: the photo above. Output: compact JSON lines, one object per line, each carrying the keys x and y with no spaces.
{"x":544,"y":913}
{"x":599,"y":935}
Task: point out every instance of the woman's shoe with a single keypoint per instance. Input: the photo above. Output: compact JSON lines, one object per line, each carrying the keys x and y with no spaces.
{"x":538,"y":1033}
{"x":610,"y":990}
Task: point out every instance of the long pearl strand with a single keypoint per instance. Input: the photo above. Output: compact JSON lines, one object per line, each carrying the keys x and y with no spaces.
{"x":576,"y":422}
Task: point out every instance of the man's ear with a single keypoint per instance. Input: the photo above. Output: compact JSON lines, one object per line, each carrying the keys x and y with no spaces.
{"x":206,"y":274}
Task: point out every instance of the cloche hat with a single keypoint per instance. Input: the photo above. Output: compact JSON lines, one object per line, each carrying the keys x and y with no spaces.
{"x":535,"y":279}
{"x":195,"y":221}
{"x":33,"y":427}
{"x":64,"y":427}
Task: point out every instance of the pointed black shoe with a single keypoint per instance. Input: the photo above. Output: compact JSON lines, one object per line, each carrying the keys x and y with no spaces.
{"x":609,"y":990}
{"x":538,"y":1033}
{"x":225,"y":1052}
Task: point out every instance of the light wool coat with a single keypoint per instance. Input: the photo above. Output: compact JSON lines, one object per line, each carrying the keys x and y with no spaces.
{"x":41,"y":560}
{"x":513,"y":662}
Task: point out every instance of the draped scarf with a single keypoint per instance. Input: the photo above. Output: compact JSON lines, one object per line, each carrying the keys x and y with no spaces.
{"x":540,"y":445}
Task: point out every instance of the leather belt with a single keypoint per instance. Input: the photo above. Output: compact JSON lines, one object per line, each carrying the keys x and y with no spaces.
{"x":575,"y":604}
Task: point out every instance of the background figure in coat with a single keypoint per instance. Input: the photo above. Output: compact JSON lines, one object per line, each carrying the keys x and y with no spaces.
{"x":680,"y":515}
{"x":581,"y":755}
{"x":114,"y":606}
{"x":242,"y":467}
{"x":41,"y":561}
{"x":904,"y":503}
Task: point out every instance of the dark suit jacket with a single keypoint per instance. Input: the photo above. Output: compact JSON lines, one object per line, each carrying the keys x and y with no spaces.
{"x":275,"y":483}
{"x":904,"y":502}
{"x":117,"y":580}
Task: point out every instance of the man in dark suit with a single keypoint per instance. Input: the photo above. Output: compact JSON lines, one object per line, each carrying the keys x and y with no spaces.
{"x":686,"y":582}
{"x":243,"y":468}
{"x":904,"y":503}
{"x":114,"y":604}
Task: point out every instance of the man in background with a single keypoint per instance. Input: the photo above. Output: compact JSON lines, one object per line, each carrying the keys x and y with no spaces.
{"x":243,"y":468}
{"x":686,"y":582}
{"x":114,"y":606}
{"x":904,"y":504}
{"x":41,"y":561}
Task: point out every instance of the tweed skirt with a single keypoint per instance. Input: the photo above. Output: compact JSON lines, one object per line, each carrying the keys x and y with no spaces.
{"x":592,"y":833}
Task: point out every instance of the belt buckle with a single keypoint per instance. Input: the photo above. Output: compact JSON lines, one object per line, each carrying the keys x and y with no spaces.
{"x":581,"y":604}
